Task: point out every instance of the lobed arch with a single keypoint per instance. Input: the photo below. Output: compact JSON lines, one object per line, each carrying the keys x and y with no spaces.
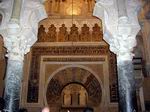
{"x":94,"y":75}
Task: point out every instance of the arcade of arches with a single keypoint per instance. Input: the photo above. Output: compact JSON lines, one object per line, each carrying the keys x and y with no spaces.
{"x":70,"y":67}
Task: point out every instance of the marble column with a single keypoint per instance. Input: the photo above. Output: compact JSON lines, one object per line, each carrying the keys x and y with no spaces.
{"x":14,"y":70}
{"x":14,"y":64}
{"x":120,"y":23}
{"x":13,"y":85}
{"x":19,"y":31}
{"x":127,"y":89}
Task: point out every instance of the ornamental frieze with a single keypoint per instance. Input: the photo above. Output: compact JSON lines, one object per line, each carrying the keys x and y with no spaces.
{"x":74,"y":59}
{"x":76,"y":34}
{"x":70,"y":50}
{"x":113,"y":85}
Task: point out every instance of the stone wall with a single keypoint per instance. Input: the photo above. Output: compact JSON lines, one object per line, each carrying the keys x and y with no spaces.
{"x":2,"y":66}
{"x":47,"y":59}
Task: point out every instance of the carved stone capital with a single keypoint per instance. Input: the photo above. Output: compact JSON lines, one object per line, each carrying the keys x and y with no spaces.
{"x":119,"y":18}
{"x":13,"y":42}
{"x":20,"y":35}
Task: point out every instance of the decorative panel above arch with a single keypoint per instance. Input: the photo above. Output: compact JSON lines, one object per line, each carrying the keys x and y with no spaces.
{"x":38,"y":51}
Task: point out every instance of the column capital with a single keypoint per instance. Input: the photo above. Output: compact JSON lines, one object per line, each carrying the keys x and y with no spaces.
{"x":14,"y":44}
{"x":20,"y":35}
{"x":120,"y":23}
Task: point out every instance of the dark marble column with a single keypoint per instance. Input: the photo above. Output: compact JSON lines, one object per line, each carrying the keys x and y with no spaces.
{"x":127,"y":89}
{"x":13,"y":85}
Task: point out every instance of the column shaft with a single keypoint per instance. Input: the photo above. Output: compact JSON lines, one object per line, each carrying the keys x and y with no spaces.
{"x":127,"y":89}
{"x":122,"y":12}
{"x":16,"y":9}
{"x":13,"y":85}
